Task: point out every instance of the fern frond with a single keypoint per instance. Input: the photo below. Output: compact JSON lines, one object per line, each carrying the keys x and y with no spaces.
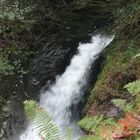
{"x":133,"y":87}
{"x":109,"y":122}
{"x":68,"y":134}
{"x":30,"y":109}
{"x":94,"y":124}
{"x":129,"y":107}
{"x":41,"y":120}
{"x":121,"y":103}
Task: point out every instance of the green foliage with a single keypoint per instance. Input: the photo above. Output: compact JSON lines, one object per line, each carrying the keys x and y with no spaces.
{"x":129,"y":107}
{"x":122,"y":104}
{"x":134,"y":90}
{"x":41,"y":121}
{"x":91,"y":138}
{"x":127,"y":18}
{"x":118,"y":66}
{"x":91,"y":123}
{"x":98,"y":126}
{"x":68,"y":134}
{"x":5,"y":67}
{"x":13,"y":59}
{"x":13,"y":18}
{"x":16,"y":20}
{"x":94,"y":124}
{"x":133,"y":87}
{"x":14,"y":12}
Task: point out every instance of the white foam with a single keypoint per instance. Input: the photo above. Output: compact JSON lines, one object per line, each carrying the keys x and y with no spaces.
{"x":67,"y":89}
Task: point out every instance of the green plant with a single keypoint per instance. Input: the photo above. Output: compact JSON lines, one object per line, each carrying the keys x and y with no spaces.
{"x":41,"y":120}
{"x":16,"y":20}
{"x":91,"y":124}
{"x":108,"y":129}
{"x":13,"y":18}
{"x":127,"y":19}
{"x":5,"y":67}
{"x":133,"y":87}
{"x":43,"y":123}
{"x":123,"y":104}
{"x":90,"y":138}
{"x":94,"y":125}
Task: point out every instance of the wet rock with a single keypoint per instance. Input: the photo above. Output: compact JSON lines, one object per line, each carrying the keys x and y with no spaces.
{"x":48,"y":63}
{"x":16,"y":121}
{"x":69,"y":27}
{"x":4,"y":113}
{"x":4,"y":125}
{"x":5,"y":108}
{"x":1,"y":133}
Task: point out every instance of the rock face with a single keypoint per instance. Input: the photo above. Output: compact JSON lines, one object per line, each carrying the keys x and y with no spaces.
{"x":71,"y":22}
{"x":48,"y":63}
{"x":3,"y":121}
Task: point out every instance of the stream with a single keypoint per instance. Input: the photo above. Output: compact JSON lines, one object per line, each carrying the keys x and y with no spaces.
{"x":68,"y":89}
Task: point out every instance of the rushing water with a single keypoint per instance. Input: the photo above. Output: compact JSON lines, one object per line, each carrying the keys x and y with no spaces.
{"x":68,"y":88}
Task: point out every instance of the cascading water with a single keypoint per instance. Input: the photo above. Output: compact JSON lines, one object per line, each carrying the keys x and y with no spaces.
{"x":68,"y":88}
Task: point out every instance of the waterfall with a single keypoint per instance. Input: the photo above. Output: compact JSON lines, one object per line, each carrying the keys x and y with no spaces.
{"x":68,"y":88}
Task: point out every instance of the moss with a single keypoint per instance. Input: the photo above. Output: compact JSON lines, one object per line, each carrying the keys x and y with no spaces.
{"x":119,"y":69}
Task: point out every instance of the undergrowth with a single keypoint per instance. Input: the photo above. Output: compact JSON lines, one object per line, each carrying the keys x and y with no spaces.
{"x":15,"y":21}
{"x":121,"y":71}
{"x":109,"y":129}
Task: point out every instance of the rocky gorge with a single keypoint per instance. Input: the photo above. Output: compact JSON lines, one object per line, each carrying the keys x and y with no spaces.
{"x":51,"y":42}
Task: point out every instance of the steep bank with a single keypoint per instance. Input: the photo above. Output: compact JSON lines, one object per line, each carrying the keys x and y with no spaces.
{"x":119,"y":68}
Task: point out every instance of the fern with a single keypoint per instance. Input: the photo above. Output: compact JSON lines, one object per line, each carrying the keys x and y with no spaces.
{"x":129,"y":107}
{"x":133,"y":87}
{"x":68,"y":134}
{"x":90,"y":123}
{"x":41,"y":121}
{"x":99,"y":126}
{"x":5,"y":67}
{"x":121,"y":103}
{"x":94,"y":124}
{"x":138,"y":55}
{"x":109,"y":122}
{"x":91,"y":138}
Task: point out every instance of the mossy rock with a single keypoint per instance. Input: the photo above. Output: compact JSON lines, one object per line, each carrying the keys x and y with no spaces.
{"x":119,"y":69}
